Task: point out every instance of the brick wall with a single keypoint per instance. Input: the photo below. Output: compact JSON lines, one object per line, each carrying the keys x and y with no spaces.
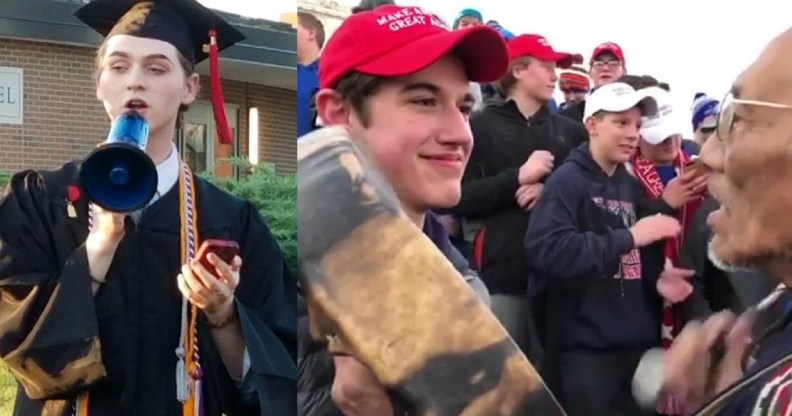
{"x":63,"y":119}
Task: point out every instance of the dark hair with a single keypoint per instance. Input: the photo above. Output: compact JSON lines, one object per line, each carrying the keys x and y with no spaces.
{"x":507,"y":81}
{"x":311,"y":22}
{"x":357,"y":88}
{"x":367,"y":5}
{"x":665,"y":86}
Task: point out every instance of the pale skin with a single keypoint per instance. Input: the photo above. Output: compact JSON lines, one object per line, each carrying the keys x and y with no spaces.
{"x":149,"y":70}
{"x":418,"y":135}
{"x":307,"y":45}
{"x":608,"y":70}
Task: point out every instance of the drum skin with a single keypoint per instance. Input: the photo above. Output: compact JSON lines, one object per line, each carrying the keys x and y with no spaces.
{"x":379,"y":290}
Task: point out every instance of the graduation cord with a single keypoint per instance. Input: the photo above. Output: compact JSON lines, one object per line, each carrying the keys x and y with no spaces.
{"x":188,"y":367}
{"x":189,"y":374}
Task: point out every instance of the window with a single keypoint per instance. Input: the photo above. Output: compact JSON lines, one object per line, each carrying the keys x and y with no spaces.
{"x":253,"y":136}
{"x":198,"y":142}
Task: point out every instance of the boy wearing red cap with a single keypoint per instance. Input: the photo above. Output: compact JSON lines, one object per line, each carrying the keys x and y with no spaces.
{"x":398,"y":79}
{"x":519,"y":141}
{"x":606,"y":66}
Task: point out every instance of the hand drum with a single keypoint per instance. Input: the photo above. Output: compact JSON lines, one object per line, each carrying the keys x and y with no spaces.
{"x":378,"y":289}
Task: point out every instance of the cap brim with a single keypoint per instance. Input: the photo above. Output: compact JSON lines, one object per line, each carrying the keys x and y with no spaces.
{"x":641,"y":99}
{"x":657,"y":134}
{"x":611,"y":51}
{"x":562,"y":60}
{"x":482,"y":50}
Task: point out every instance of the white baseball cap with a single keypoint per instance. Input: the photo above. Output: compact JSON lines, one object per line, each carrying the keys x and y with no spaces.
{"x":663,"y":124}
{"x":617,"y":97}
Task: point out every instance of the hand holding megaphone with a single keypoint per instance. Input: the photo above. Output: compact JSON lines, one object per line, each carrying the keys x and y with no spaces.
{"x":107,"y":231}
{"x":119,"y":176}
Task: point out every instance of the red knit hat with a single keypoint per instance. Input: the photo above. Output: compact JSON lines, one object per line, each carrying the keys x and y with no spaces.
{"x":574,"y":78}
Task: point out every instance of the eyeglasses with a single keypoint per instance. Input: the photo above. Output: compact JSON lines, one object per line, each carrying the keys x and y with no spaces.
{"x":725,"y":123}
{"x":602,"y":64}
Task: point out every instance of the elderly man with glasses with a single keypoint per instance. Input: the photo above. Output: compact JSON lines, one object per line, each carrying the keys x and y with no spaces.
{"x":728,"y":364}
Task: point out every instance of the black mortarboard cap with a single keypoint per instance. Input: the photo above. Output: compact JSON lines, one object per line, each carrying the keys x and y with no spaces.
{"x":197,"y":32}
{"x":184,"y":24}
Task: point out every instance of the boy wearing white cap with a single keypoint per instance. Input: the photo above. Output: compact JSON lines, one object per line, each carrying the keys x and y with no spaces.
{"x":584,"y":250}
{"x":661,"y":167}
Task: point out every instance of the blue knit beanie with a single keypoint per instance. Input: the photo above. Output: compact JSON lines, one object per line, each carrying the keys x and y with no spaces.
{"x":703,"y":107}
{"x":505,"y":33}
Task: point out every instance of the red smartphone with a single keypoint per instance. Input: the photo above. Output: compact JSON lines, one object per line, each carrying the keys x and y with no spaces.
{"x":225,"y":249}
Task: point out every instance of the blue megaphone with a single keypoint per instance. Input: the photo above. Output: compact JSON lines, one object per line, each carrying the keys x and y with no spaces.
{"x":118,"y":175}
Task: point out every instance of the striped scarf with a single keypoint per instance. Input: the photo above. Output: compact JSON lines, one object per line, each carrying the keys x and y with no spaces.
{"x":672,"y":319}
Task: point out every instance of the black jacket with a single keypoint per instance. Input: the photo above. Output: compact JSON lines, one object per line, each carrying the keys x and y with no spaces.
{"x":504,"y":139}
{"x":574,"y":111}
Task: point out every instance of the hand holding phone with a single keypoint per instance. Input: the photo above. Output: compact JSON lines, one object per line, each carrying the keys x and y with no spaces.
{"x":696,"y":166}
{"x":226,"y":250}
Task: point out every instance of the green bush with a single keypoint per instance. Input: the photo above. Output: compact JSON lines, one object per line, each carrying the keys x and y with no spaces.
{"x":274,"y":195}
{"x":7,"y":391}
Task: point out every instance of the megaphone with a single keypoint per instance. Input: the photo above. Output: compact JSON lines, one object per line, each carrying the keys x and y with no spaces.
{"x":118,"y":175}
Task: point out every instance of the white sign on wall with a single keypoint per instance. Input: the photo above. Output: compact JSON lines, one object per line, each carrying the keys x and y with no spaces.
{"x":11,"y":94}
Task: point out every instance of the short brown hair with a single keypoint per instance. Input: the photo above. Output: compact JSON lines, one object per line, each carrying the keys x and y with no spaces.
{"x":311,"y":22}
{"x":507,"y":82}
{"x":356,"y":88}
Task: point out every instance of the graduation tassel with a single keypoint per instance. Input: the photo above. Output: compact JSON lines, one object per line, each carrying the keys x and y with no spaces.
{"x":221,"y":122}
{"x":182,"y":378}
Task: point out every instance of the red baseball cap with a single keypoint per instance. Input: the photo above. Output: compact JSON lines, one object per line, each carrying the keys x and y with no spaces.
{"x":393,"y":41}
{"x":608,"y":47}
{"x":538,"y":47}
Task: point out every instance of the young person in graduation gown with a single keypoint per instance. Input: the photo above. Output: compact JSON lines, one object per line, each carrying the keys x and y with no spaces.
{"x":751,"y":170}
{"x":111,"y":314}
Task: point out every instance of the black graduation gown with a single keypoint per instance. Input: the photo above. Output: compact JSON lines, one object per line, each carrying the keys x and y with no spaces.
{"x":59,"y":340}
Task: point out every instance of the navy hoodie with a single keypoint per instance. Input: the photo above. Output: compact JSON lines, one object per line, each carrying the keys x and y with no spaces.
{"x":600,"y":289}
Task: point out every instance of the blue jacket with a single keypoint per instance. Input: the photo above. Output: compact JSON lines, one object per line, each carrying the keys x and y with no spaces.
{"x":307,"y":87}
